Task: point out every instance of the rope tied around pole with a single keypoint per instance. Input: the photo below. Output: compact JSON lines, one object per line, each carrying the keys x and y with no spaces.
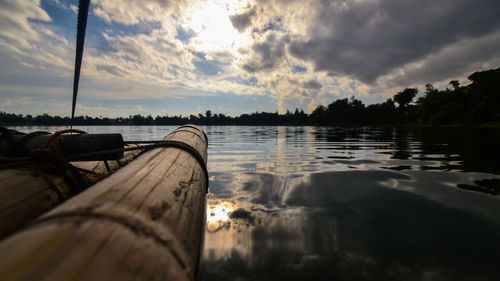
{"x":47,"y":158}
{"x":148,"y":145}
{"x":23,"y":139}
{"x":51,"y":160}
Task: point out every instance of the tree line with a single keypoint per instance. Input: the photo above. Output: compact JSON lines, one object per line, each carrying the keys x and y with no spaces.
{"x":474,"y":104}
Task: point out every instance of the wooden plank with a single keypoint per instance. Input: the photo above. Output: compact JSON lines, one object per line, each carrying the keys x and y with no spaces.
{"x":144,"y":222}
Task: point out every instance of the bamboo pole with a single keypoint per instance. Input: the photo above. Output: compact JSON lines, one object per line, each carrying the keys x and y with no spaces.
{"x":144,"y":222}
{"x":28,"y":192}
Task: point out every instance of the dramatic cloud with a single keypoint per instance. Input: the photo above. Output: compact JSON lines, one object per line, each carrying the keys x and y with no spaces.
{"x":312,"y":84}
{"x":284,"y":53}
{"x":451,"y":62}
{"x":14,"y":22}
{"x":242,"y":21}
{"x":367,"y":39}
{"x":267,"y":54}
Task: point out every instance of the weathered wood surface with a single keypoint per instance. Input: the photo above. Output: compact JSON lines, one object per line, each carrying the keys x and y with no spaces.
{"x":144,"y":222}
{"x":26,"y":193}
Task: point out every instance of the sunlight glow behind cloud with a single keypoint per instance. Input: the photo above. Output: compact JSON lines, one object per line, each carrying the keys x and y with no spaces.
{"x":212,"y":26}
{"x":225,"y":55}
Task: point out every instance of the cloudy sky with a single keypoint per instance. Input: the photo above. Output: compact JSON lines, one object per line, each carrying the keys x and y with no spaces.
{"x":175,"y":57}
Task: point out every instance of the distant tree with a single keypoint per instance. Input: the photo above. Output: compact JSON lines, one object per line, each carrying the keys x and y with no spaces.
{"x":486,"y":83}
{"x":405,"y":97}
{"x":454,"y":84}
{"x":318,"y":116}
{"x":485,"y":96}
{"x":429,"y":89}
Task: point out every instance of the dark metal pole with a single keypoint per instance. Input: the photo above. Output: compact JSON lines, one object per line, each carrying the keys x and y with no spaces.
{"x":83,"y":12}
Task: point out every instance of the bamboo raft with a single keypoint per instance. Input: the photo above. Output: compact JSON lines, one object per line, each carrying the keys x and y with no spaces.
{"x":143,"y":222}
{"x":34,"y":188}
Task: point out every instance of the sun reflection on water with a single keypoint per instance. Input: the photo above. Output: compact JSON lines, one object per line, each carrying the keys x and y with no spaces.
{"x":218,"y":215}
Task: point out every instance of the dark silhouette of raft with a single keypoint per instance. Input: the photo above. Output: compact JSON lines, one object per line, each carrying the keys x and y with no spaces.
{"x":143,"y":222}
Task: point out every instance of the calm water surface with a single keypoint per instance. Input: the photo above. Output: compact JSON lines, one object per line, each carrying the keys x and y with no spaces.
{"x":306,"y":203}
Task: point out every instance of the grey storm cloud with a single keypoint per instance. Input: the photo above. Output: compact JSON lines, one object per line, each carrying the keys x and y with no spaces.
{"x":267,"y":54}
{"x":368,"y":39}
{"x":454,"y":61}
{"x":312,"y":85}
{"x":243,"y":20}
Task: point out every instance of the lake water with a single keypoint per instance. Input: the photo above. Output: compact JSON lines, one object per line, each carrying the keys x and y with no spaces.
{"x":306,"y":203}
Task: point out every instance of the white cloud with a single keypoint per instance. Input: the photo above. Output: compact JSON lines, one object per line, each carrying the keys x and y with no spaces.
{"x":26,"y":90}
{"x":140,"y":108}
{"x":14,"y":20}
{"x":74,"y":9}
{"x":58,"y":3}
{"x":342,"y":48}
{"x":131,"y":12}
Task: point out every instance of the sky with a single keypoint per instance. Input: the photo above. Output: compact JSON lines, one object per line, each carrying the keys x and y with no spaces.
{"x":182,"y":57}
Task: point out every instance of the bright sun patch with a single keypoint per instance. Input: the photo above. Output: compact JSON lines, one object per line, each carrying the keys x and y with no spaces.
{"x":212,"y":27}
{"x":218,"y":215}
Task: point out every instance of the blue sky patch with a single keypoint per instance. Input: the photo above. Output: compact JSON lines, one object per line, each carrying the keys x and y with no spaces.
{"x":211,"y":68}
{"x":298,"y":69}
{"x":184,"y":34}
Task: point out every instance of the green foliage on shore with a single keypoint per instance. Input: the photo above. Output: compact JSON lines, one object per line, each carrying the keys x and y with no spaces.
{"x":475,"y":104}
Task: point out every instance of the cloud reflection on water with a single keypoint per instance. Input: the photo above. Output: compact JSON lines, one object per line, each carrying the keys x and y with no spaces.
{"x":327,"y":204}
{"x":351,"y":224}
